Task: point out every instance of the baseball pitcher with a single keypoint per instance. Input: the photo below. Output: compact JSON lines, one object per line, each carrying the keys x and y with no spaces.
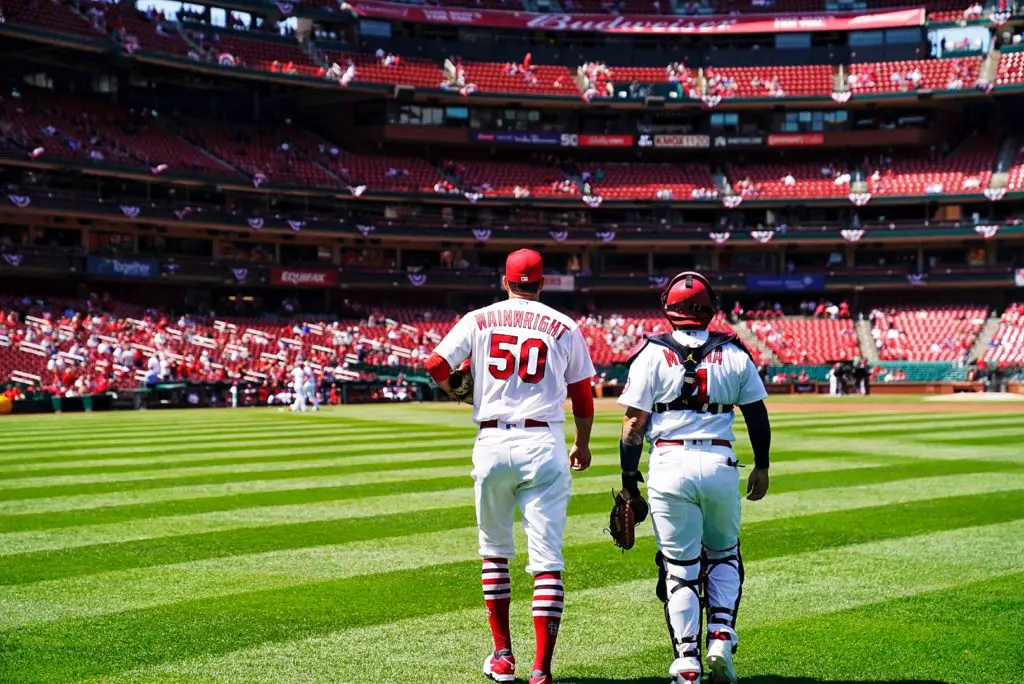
{"x":681,"y":391}
{"x":525,"y":357}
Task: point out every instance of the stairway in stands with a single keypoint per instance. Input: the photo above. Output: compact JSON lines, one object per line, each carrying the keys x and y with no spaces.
{"x":988,"y":331}
{"x":868,"y":350}
{"x":751,"y":340}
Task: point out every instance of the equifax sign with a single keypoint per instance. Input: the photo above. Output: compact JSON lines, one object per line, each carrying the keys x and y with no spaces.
{"x":302,"y":278}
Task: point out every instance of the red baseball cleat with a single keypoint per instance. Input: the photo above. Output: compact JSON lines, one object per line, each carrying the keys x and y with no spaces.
{"x":539,"y":677}
{"x":500,"y":666}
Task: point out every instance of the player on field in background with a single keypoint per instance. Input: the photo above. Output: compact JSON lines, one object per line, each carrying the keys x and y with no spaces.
{"x":681,"y":391}
{"x":299,"y":387}
{"x":309,"y":386}
{"x":525,"y":358}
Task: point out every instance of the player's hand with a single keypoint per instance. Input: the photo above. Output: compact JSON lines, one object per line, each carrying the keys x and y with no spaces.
{"x":757,"y":484}
{"x":579,"y":457}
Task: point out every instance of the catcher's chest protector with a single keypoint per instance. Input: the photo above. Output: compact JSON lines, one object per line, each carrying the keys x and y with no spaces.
{"x":691,"y":358}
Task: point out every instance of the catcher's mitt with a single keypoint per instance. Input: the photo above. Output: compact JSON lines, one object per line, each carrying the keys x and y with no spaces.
{"x":628,"y":511}
{"x":461,"y":382}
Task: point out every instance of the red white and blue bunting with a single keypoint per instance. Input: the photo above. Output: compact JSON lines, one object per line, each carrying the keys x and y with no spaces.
{"x":987,"y":232}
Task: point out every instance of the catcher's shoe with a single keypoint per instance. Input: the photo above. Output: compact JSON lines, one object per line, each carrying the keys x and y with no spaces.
{"x":538,"y":677}
{"x":685,"y":670}
{"x":720,"y":659}
{"x":500,"y":666}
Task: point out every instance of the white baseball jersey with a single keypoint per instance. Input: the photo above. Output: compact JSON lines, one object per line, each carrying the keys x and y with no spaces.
{"x":524,"y":354}
{"x":298,"y":376}
{"x":725,"y":376}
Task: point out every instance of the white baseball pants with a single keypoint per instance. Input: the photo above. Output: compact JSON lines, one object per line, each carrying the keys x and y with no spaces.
{"x":695,"y":506}
{"x":526,"y":468}
{"x":300,"y":397}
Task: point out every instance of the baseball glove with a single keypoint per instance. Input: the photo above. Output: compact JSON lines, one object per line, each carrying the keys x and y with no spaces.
{"x":461,"y":382}
{"x":628,"y":511}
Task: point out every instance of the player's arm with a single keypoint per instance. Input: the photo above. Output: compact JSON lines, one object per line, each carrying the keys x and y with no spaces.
{"x":759,"y":429}
{"x":631,"y":448}
{"x":582,"y":397}
{"x":638,"y":399}
{"x":579,"y":375}
{"x":452,"y":351}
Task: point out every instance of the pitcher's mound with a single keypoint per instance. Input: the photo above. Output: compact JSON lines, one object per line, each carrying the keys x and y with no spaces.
{"x":978,"y":396}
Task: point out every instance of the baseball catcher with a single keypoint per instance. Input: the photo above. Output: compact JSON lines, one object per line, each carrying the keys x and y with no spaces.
{"x":681,"y":393}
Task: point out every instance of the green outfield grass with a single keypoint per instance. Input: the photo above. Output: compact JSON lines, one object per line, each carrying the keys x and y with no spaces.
{"x":258,"y":546}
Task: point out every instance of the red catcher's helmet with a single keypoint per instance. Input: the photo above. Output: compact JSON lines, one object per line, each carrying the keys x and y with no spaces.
{"x":689,"y":301}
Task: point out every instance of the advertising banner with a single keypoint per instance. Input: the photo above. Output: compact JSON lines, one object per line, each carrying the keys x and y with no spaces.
{"x":1018,"y":277}
{"x":124,"y":268}
{"x":511,"y":138}
{"x":606,"y":140}
{"x":720,"y":141}
{"x":559,"y":283}
{"x":303,"y":277}
{"x":692,"y":142}
{"x":640,"y":24}
{"x":786,"y":283}
{"x":796,"y":139}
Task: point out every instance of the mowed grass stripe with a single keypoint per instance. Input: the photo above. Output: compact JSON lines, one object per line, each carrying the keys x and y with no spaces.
{"x":117,"y":642}
{"x":590,"y":495}
{"x":70,"y":556}
{"x":335,"y":476}
{"x":263,"y":440}
{"x":203,"y":436}
{"x":892,"y":445}
{"x":902,"y":428}
{"x":789,"y":476}
{"x":111,"y":479}
{"x":598,"y":644}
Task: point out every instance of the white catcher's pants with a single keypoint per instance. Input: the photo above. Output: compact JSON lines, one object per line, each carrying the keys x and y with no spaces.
{"x":526,"y":468}
{"x":695,"y":506}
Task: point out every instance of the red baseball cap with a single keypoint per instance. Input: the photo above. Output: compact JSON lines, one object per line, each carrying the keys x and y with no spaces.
{"x":524,"y":266}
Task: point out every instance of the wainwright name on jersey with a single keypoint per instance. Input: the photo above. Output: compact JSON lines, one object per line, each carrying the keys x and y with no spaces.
{"x":725,"y":376}
{"x":524,"y":354}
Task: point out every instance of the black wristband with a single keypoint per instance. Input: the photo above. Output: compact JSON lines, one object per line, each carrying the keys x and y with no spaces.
{"x":629,"y":456}
{"x":631,"y":480}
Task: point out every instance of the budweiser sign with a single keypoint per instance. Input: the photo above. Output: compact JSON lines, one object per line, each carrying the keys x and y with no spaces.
{"x":303,"y":277}
{"x":641,"y":24}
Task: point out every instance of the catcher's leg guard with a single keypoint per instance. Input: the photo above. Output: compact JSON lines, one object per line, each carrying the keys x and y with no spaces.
{"x":723,"y":588}
{"x":679,"y":588}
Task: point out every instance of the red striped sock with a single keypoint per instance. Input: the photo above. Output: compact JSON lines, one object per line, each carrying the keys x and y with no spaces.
{"x":497,"y":595}
{"x":547,"y":615}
